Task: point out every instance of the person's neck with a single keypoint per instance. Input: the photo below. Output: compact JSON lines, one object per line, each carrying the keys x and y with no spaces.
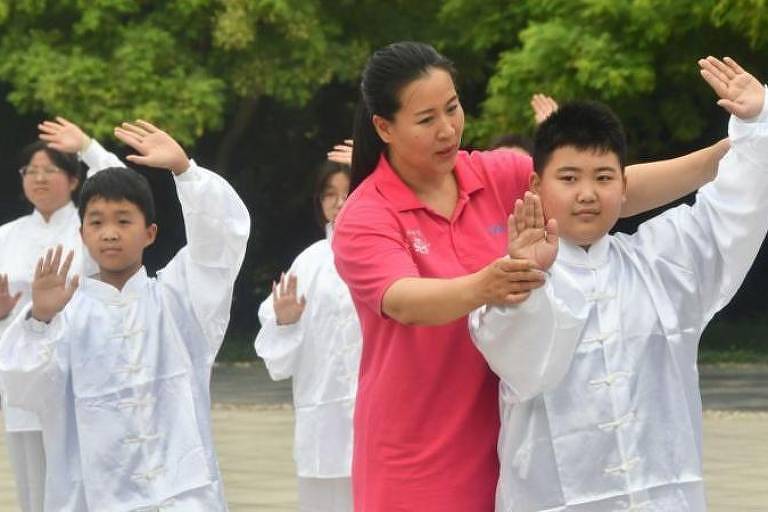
{"x":118,"y":278}
{"x":48,"y":214}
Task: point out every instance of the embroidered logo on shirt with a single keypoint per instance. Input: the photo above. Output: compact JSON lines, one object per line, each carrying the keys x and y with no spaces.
{"x":420,"y":245}
{"x":496,"y":229}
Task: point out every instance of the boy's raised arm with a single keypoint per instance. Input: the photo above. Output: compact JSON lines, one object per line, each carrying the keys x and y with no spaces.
{"x":28,"y":366}
{"x":217,"y":225}
{"x":530,"y":345}
{"x":701,"y":254}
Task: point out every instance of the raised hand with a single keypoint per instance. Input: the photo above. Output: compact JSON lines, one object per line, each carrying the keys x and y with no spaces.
{"x":63,"y":135}
{"x":7,"y":301}
{"x":50,"y":291}
{"x":155,"y":147}
{"x":288,"y":307}
{"x":530,"y":238}
{"x":741,"y":94}
{"x":543,"y":106}
{"x":342,"y":153}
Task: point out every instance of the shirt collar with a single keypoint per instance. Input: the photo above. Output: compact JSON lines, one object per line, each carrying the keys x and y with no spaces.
{"x":394,"y":189}
{"x":104,"y":292}
{"x":59,"y":218}
{"x":596,"y":257}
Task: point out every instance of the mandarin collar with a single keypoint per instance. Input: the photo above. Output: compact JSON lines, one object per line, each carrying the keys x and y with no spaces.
{"x":594,"y":258}
{"x":104,"y":292}
{"x":59,"y":218}
{"x":394,"y":189}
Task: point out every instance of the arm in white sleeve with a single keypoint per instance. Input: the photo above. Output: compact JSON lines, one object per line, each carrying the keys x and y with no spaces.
{"x":700,"y":255}
{"x":278,"y":345}
{"x":530,"y":345}
{"x":30,"y":364}
{"x":97,"y":158}
{"x":204,"y":271}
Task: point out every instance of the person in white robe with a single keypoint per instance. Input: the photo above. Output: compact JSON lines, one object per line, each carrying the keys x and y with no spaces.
{"x":600,"y":401}
{"x":49,"y":177}
{"x":118,"y":369}
{"x":310,"y":333}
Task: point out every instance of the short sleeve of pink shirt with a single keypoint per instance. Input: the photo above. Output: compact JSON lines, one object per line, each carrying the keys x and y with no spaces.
{"x":426,"y":418}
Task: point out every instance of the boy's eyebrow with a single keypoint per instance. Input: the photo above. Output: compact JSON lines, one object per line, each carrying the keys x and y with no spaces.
{"x":428,"y":110}
{"x":568,"y":168}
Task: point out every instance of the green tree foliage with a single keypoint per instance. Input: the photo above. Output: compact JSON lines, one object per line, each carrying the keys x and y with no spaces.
{"x":637,"y":55}
{"x":184,"y":63}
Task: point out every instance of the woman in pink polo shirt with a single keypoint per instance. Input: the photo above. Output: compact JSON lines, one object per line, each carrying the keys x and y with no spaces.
{"x":420,"y":243}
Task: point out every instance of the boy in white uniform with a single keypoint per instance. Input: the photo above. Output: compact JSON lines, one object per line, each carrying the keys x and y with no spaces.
{"x":118,"y":370}
{"x":601,"y":409}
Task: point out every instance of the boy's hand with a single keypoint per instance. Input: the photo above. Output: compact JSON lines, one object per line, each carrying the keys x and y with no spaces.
{"x":741,"y":93}
{"x":7,"y":301}
{"x":63,"y":135}
{"x":288,"y":307}
{"x":50,"y":292}
{"x":529,"y":237}
{"x":156,"y":148}
{"x":342,"y":153}
{"x":543,"y":106}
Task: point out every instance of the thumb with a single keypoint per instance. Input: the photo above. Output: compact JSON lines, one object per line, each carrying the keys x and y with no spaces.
{"x":729,"y":105}
{"x":553,"y":232}
{"x":16,"y":298}
{"x":140,"y":160}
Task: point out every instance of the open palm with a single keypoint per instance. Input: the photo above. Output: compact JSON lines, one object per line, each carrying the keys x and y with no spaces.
{"x":288,"y":306}
{"x":530,"y":237}
{"x":155,"y":147}
{"x":740,"y":93}
{"x":50,"y":291}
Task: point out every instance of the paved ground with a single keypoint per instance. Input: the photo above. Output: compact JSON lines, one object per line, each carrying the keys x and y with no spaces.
{"x":253,"y":434}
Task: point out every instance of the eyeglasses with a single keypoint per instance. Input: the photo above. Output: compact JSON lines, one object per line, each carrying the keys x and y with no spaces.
{"x":333,"y":197}
{"x":33,"y":171}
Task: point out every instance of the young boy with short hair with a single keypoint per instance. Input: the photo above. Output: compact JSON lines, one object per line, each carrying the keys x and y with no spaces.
{"x":601,"y":409}
{"x":118,"y":369}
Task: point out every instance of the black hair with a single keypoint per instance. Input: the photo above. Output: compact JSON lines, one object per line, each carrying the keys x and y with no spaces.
{"x":67,"y":162}
{"x":326,"y":171}
{"x":117,"y":184}
{"x":387,"y":72}
{"x":513,"y":140}
{"x":584,"y":125}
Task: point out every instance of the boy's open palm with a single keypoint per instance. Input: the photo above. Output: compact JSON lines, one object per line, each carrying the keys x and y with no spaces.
{"x":530,"y":238}
{"x":155,"y":147}
{"x":740,"y":93}
{"x":50,"y":291}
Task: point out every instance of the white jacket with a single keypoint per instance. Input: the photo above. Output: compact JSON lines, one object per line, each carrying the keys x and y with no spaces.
{"x":321,"y":352}
{"x":120,"y":379}
{"x":24,"y":240}
{"x":600,"y":401}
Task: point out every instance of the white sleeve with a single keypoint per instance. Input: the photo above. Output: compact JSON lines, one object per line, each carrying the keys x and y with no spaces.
{"x":530,"y":346}
{"x":699,"y":255}
{"x":30,"y":364}
{"x":203,"y":272}
{"x":278,"y":345}
{"x":97,"y":158}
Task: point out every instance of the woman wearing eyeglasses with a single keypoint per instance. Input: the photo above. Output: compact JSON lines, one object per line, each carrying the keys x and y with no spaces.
{"x":49,"y":178}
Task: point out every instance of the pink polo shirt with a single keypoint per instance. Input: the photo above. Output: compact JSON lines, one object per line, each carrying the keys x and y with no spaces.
{"x":426,"y":420}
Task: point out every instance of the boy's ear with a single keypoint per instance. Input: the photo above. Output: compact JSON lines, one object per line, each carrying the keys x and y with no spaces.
{"x":73,"y":183}
{"x":151,"y":235}
{"x":624,"y":183}
{"x":534,"y":183}
{"x":383,"y":128}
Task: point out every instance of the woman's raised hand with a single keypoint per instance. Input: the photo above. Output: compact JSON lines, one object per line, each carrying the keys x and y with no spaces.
{"x":63,"y":135}
{"x":288,"y":306}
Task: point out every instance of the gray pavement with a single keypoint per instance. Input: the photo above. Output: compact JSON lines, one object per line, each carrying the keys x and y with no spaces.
{"x":724,"y":388}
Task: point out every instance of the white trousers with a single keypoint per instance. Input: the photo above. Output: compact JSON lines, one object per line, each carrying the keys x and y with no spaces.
{"x":27,"y":456}
{"x":325,"y":494}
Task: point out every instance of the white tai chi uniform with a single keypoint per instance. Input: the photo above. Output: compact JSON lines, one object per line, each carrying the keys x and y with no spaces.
{"x":321,"y":352}
{"x":22,"y":242}
{"x":600,"y":401}
{"x":120,"y":378}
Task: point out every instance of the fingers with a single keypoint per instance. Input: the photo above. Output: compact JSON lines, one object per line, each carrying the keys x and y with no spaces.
{"x":722,"y":67}
{"x":292,"y":280}
{"x":538,"y":212}
{"x":56,"y":261}
{"x":72,"y":287}
{"x":64,"y":270}
{"x":733,"y":65}
{"x":147,"y":126}
{"x":519,"y":214}
{"x":3,"y":284}
{"x":128,"y":137}
{"x":136,"y":129}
